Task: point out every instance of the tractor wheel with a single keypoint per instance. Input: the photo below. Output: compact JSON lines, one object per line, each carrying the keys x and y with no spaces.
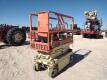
{"x":53,"y":72}
{"x":84,"y":36}
{"x":97,"y":36}
{"x":5,"y":41}
{"x":15,"y":37}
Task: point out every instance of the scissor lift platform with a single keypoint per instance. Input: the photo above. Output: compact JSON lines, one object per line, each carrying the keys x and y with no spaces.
{"x":51,"y":40}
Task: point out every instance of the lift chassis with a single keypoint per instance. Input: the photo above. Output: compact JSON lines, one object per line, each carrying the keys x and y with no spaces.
{"x":52,"y":39}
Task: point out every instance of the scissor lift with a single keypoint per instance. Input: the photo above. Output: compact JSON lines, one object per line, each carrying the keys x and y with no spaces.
{"x":52,"y":41}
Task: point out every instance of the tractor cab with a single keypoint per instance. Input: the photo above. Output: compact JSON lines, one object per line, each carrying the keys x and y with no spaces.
{"x":53,"y":30}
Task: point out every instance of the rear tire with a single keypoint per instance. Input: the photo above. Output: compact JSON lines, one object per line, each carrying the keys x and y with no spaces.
{"x":15,"y":37}
{"x":53,"y":72}
{"x":84,"y":35}
{"x":5,"y":41}
{"x":97,"y":36}
{"x":38,"y":67}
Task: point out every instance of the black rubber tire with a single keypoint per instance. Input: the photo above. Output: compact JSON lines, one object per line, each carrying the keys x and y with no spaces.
{"x":36,"y":67}
{"x":10,"y":38}
{"x":84,"y":35}
{"x":53,"y":72}
{"x":97,"y":36}
{"x":5,"y":41}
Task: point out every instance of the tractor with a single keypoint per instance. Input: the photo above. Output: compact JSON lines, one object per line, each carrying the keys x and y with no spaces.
{"x":12,"y":35}
{"x":92,"y":28}
{"x":51,"y":41}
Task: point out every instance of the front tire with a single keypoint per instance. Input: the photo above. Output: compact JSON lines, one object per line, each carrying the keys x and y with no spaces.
{"x":15,"y":37}
{"x":36,"y":67}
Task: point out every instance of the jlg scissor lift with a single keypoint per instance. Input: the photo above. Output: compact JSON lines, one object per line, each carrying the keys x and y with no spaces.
{"x":52,"y":41}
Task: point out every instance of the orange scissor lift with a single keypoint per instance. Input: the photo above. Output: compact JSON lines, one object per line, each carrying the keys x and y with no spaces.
{"x":51,"y":40}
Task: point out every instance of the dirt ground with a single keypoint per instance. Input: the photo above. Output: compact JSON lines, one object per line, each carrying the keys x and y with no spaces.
{"x":90,"y":62}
